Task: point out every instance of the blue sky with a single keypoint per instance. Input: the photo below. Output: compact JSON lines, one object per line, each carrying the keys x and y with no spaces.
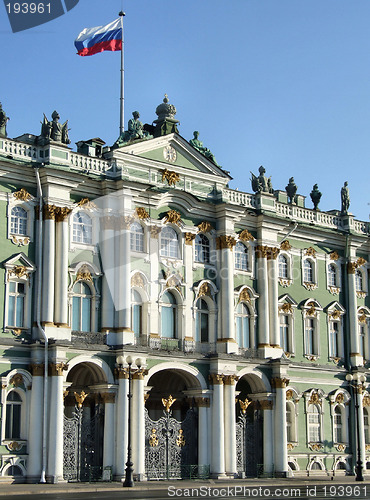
{"x":284,"y":84}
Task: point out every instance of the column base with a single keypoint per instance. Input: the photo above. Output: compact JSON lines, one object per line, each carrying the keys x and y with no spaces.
{"x":227,"y":346}
{"x":55,"y":479}
{"x":218,"y":475}
{"x":281,"y":474}
{"x":33,"y":479}
{"x":52,"y":331}
{"x":267,"y":351}
{"x":356,"y":359}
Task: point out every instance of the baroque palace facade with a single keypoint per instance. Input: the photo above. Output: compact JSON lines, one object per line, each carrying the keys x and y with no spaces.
{"x":238,"y":314}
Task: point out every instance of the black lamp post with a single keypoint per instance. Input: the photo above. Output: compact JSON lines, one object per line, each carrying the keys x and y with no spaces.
{"x":358,"y":380}
{"x":129,"y":479}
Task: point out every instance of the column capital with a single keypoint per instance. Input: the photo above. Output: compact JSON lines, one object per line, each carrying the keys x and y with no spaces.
{"x":121,"y":372}
{"x":216,"y":378}
{"x":108,"y":397}
{"x":56,"y":369}
{"x":139,"y":374}
{"x":61,"y":213}
{"x":189,"y":237}
{"x":266,"y":404}
{"x":279,"y":383}
{"x":230,"y":379}
{"x":351,"y":267}
{"x":202,"y":402}
{"x":37,"y":369}
{"x":154,"y":231}
{"x":48,"y":212}
{"x":225,"y":241}
{"x":262,"y":251}
{"x":273,"y":252}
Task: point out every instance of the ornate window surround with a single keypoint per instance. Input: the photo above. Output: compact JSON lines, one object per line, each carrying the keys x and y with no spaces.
{"x":145,"y":238}
{"x":292,"y":399}
{"x":206,"y":290}
{"x":285,"y":282}
{"x":311,"y":311}
{"x":73,"y":246}
{"x":310,"y":285}
{"x":250,"y":246}
{"x":179,"y":312}
{"x":247,"y":295}
{"x":139,"y":283}
{"x":340,"y":399}
{"x":336,"y":262}
{"x":27,"y":202}
{"x":335,"y":314}
{"x":179,"y":243}
{"x":363,"y":271}
{"x":287,"y":306}
{"x":363,"y":315}
{"x":314,"y":397}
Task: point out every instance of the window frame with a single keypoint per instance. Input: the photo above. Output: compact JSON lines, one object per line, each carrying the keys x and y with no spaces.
{"x":175,"y":313}
{"x":167,"y":254}
{"x":134,"y":238}
{"x":205,"y":248}
{"x":201,"y":313}
{"x":29,"y":208}
{"x":81,"y":297}
{"x":246,"y":252}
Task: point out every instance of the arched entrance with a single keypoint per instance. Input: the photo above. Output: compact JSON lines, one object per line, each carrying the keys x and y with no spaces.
{"x":249,"y":427}
{"x":171,"y":425}
{"x":83,"y":423}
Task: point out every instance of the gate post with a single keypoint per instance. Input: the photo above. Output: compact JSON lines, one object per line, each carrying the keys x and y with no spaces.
{"x":218,"y":426}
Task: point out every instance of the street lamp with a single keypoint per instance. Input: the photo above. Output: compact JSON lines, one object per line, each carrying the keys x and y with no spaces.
{"x":129,"y":479}
{"x":358,"y":383}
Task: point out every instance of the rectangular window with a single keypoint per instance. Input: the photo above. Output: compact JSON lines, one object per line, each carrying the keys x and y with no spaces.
{"x":310,"y":336}
{"x":284,"y":332}
{"x":16,"y":298}
{"x":314,"y":427}
{"x":334,"y":339}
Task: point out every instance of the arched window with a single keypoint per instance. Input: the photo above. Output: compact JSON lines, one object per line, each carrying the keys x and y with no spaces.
{"x":334,"y":339}
{"x":358,"y":278}
{"x":13,"y":416}
{"x":307,"y":271}
{"x":136,"y":237}
{"x":81,"y":307}
{"x":82,"y":228}
{"x":338,"y":438}
{"x":367,"y":424}
{"x":169,"y":243}
{"x":16,"y":299}
{"x":136,"y":313}
{"x":332,"y":275}
{"x":18,"y":221}
{"x":311,"y":338}
{"x":362,"y":335}
{"x":243,"y":326}
{"x":202,"y":322}
{"x":14,"y":470}
{"x":201,"y":249}
{"x":289,"y":423}
{"x":241,"y":256}
{"x":314,"y":425}
{"x":168,"y":315}
{"x":284,"y":332}
{"x":283,"y":266}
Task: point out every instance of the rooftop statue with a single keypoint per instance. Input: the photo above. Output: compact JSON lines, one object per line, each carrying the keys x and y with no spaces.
{"x":53,"y":130}
{"x":134,"y":131}
{"x":3,"y":121}
{"x":291,"y":190}
{"x":344,"y":193}
{"x":315,"y":196}
{"x":198,"y":145}
{"x":261,"y":184}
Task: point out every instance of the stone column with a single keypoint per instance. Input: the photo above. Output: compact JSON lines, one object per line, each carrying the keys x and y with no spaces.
{"x":268,"y":442}
{"x":34,"y":463}
{"x":121,"y":424}
{"x":230,"y":425}
{"x":188,"y":302}
{"x":273,"y":298}
{"x":355,"y":356}
{"x":154,"y":328}
{"x":203,"y":410}
{"x":361,"y":429}
{"x":138,"y":424}
{"x":263,"y":301}
{"x":109,"y":437}
{"x":280,"y":441}
{"x":61,"y":266}
{"x":218,"y":427}
{"x":125,"y":335}
{"x":108,"y":283}
{"x":48,"y":271}
{"x":56,"y":413}
{"x":225,"y":245}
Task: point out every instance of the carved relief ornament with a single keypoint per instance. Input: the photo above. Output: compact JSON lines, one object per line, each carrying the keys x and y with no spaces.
{"x":314,"y":399}
{"x":87,"y":204}
{"x":280,"y":382}
{"x":244,"y":296}
{"x":310,"y":252}
{"x":262,"y":251}
{"x":84,"y":275}
{"x":286,"y":308}
{"x":142,"y":213}
{"x":167,"y":403}
{"x":334,"y":255}
{"x":19,"y":272}
{"x":272,"y":253}
{"x":351,"y":267}
{"x":216,"y":378}
{"x":205,"y":290}
{"x":16,"y":380}
{"x":205,"y":227}
{"x":56,"y":369}
{"x":173,"y":217}
{"x":285,"y":245}
{"x":61,"y":213}
{"x":189,"y":238}
{"x":22,"y":195}
{"x":48,"y":212}
{"x":154,"y":232}
{"x":137,"y":280}
{"x":245,"y":235}
{"x":170,"y":176}
{"x":225,"y":241}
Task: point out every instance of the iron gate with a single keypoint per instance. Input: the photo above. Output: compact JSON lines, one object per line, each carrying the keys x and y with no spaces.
{"x":82,"y":447}
{"x":249,"y":445}
{"x":170,"y":445}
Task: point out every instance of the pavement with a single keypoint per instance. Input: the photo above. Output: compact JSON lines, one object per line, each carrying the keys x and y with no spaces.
{"x":10,"y":489}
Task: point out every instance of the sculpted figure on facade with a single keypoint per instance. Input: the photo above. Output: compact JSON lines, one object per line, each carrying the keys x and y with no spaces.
{"x":344,"y":193}
{"x":54,"y":130}
{"x":3,"y":121}
{"x":315,"y":196}
{"x":198,"y":145}
{"x":135,"y":131}
{"x":291,"y":190}
{"x":261,"y":184}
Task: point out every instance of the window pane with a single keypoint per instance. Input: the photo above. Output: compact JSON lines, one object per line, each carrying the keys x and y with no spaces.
{"x":86,"y":315}
{"x":136,"y":319}
{"x":283,"y":267}
{"x":241,"y":257}
{"x":168,"y":323}
{"x":76,"y":313}
{"x":11,"y":310}
{"x":20,"y":312}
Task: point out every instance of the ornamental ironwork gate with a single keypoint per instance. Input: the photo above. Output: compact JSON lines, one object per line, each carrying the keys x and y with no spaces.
{"x":249,"y":444}
{"x":170,"y":445}
{"x":82,"y":447}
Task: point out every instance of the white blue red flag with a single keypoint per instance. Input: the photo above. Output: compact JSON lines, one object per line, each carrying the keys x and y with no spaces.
{"x":94,"y":40}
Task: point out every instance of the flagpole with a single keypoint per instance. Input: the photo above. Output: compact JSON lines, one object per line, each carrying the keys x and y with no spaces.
{"x":122,"y":99}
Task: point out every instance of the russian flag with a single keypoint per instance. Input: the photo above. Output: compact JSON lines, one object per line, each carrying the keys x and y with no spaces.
{"x":93,"y":40}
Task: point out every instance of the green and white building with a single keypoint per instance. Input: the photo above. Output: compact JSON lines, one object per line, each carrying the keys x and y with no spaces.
{"x":241,"y":313}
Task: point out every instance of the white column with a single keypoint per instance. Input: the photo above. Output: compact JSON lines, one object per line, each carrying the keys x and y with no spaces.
{"x":48,"y":273}
{"x":56,"y":413}
{"x":280,"y":442}
{"x":34,"y":463}
{"x":138,"y":425}
{"x":273,"y":297}
{"x":218,"y":427}
{"x":361,"y":431}
{"x":356,"y":358}
{"x":188,"y":302}
{"x":203,"y":410}
{"x":121,"y":424}
{"x":109,"y":437}
{"x":61,"y":267}
{"x":124,"y":284}
{"x":154,"y":234}
{"x":230,"y":427}
{"x":268,"y":449}
{"x":263,"y":301}
{"x":108,"y":283}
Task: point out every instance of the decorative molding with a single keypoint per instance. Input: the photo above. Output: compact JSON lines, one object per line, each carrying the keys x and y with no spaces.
{"x":314,"y":399}
{"x":244,"y":296}
{"x":289,"y":394}
{"x":17,"y":380}
{"x":334,"y":290}
{"x":14,"y":446}
{"x":230,"y":379}
{"x":205,"y":227}
{"x":205,"y":290}
{"x":80,"y":398}
{"x":189,"y":238}
{"x":362,"y":318}
{"x":142,"y":213}
{"x":19,"y":241}
{"x":273,"y":253}
{"x":335,"y":315}
{"x":360,"y":294}
{"x":245,"y":235}
{"x":48,"y":212}
{"x":84,"y":274}
{"x":339,"y":398}
{"x":173,"y":217}
{"x":167,"y":403}
{"x":86,"y":204}
{"x":315,"y":446}
{"x":309,"y":286}
{"x":170,"y":176}
{"x":137,"y":280}
{"x":37,"y":369}
{"x":202,"y":402}
{"x":334,"y":255}
{"x":244,"y":405}
{"x":225,"y":241}
{"x":19,"y":272}
{"x":261,"y":251}
{"x":285,"y":245}
{"x":279,"y":383}
{"x":351,"y":267}
{"x":22,"y":195}
{"x":366,"y":401}
{"x":286,"y":308}
{"x":61,"y":213}
{"x":121,"y":373}
{"x":360,"y":262}
{"x":139,"y":374}
{"x":312,"y":310}
{"x":340,"y":447}
{"x":311,"y":252}
{"x":284,"y":282}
